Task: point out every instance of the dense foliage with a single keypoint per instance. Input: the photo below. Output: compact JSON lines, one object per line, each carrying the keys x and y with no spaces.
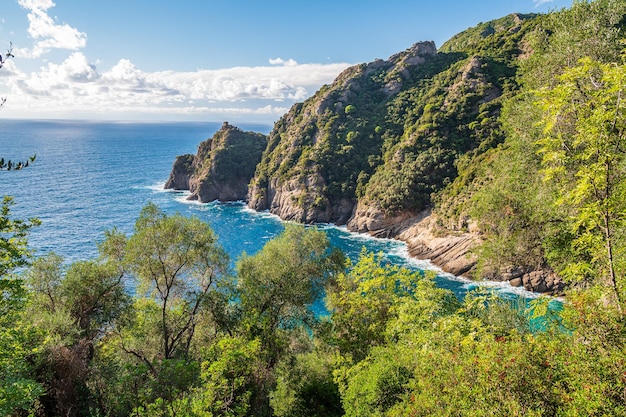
{"x":540,"y":196}
{"x":193,"y":341}
{"x":157,"y":325}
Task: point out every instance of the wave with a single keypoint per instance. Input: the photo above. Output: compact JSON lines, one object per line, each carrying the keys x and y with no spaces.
{"x":265,"y":214}
{"x":160,"y":187}
{"x":394,"y":251}
{"x":399,"y":249}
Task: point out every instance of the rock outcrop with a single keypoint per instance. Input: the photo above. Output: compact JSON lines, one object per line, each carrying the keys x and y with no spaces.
{"x":222,"y":167}
{"x":181,"y":173}
{"x":315,"y":155}
{"x":299,"y":200}
{"x":536,"y":280}
{"x":452,"y":252}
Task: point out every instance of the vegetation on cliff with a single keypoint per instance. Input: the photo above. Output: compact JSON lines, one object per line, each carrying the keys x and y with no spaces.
{"x":222,"y":167}
{"x":537,"y":196}
{"x":457,"y":131}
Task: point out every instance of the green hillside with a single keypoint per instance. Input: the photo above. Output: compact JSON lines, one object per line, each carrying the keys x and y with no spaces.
{"x":453,"y":131}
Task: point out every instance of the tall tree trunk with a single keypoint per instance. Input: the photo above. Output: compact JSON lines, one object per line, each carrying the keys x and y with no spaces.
{"x":609,"y":251}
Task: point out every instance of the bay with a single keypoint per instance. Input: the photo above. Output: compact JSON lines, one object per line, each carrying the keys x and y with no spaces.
{"x":89,"y":177}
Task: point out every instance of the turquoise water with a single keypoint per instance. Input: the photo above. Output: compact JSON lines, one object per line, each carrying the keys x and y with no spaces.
{"x":91,"y":177}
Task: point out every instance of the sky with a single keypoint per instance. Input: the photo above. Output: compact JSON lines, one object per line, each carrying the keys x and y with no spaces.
{"x":208,"y":60}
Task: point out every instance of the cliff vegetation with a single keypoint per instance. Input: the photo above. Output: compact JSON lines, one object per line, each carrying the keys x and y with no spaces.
{"x":222,"y":167}
{"x":442,"y":148}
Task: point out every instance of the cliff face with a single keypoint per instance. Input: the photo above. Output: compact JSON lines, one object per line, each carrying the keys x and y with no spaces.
{"x":222,"y":168}
{"x":371,"y":149}
{"x":321,"y":149}
{"x":181,"y":173}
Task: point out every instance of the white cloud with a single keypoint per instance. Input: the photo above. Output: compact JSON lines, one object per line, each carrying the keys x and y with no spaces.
{"x":75,"y":70}
{"x":77,"y":87}
{"x":47,"y":34}
{"x":36,"y":4}
{"x":78,"y":69}
{"x":280,"y":61}
{"x":540,"y":2}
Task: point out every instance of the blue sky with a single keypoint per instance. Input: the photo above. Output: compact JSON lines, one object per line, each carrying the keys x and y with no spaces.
{"x":208,"y":60}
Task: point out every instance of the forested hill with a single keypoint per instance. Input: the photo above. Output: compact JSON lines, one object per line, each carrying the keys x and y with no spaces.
{"x":386,"y":135}
{"x":452,"y":131}
{"x":222,"y":167}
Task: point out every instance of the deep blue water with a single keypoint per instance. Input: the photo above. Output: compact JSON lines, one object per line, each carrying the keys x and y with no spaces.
{"x":91,"y":177}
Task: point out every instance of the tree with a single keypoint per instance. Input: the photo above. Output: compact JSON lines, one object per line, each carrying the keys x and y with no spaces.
{"x":227,"y":378}
{"x":584,"y":150}
{"x":14,"y":251}
{"x":305,"y":386}
{"x":276,"y":288}
{"x":278,"y":285}
{"x":365,"y":299}
{"x":18,"y":390}
{"x":179,"y":267}
{"x":91,"y":292}
{"x":72,"y":307}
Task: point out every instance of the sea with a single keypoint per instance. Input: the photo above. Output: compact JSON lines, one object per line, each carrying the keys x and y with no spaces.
{"x":89,"y":177}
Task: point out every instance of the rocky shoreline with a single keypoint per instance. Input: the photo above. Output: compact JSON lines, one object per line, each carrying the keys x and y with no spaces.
{"x":298,"y":200}
{"x":452,"y":252}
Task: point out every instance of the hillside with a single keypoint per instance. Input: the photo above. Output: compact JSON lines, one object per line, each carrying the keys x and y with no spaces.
{"x":438,"y":147}
{"x":371,"y":149}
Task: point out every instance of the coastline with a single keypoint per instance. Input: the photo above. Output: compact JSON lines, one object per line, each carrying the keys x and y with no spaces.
{"x":403,"y":252}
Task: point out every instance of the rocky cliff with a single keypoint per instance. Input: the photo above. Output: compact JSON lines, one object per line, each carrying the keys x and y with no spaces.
{"x":321,"y":150}
{"x":222,"y":167}
{"x":371,"y":149}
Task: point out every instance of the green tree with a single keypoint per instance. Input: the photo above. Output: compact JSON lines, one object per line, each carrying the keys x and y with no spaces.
{"x":14,"y":251}
{"x":72,"y":308}
{"x":305,"y":386}
{"x":584,"y":150}
{"x":92,"y":293}
{"x":278,"y":285}
{"x":178,"y":272}
{"x":277,"y":288}
{"x":18,"y":389}
{"x":364,"y":300}
{"x":177,"y":263}
{"x":227,"y":377}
